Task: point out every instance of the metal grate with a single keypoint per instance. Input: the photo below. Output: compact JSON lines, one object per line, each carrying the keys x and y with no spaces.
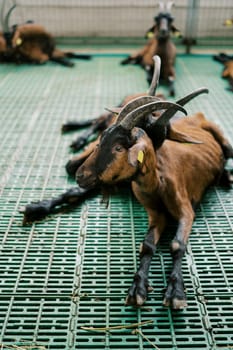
{"x":73,"y":269}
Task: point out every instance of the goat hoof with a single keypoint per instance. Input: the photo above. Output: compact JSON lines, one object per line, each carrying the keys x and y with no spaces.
{"x":136,"y":300}
{"x":35,"y":211}
{"x":175,"y":298}
{"x":176,"y":304}
{"x":172,"y":93}
{"x":137,"y":293}
{"x":78,"y":144}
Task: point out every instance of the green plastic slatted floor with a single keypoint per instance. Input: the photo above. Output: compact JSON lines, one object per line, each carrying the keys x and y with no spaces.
{"x":73,"y":269}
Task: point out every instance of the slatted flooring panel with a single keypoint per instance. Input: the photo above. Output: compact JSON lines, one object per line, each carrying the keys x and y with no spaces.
{"x":73,"y":269}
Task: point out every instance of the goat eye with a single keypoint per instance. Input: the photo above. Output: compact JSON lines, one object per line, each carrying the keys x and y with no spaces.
{"x":118,"y":148}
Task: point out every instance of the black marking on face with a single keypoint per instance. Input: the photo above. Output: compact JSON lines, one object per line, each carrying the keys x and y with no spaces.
{"x":114,"y":135}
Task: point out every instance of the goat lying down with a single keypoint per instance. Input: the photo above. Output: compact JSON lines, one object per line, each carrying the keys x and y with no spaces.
{"x":38,"y":210}
{"x":167,"y":177}
{"x":169,"y":164}
{"x":30,"y":43}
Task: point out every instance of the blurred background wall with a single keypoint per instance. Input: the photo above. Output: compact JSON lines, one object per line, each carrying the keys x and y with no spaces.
{"x":120,"y":19}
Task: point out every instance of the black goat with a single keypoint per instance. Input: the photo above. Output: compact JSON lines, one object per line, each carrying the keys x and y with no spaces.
{"x":160,"y":44}
{"x":30,"y":43}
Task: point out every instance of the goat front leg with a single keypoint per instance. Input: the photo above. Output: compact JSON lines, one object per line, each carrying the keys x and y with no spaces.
{"x":39,"y":210}
{"x":175,"y":293}
{"x":171,"y":86}
{"x":137,"y":293}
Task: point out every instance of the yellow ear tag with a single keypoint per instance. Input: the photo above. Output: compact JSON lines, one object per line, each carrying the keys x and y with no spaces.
{"x":150,"y":35}
{"x":140,"y":156}
{"x":177,"y":34}
{"x":228,"y":22}
{"x":19,"y":41}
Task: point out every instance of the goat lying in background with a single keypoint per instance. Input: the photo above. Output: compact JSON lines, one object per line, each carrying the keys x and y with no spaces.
{"x":167,"y":178}
{"x":38,"y":210}
{"x":227,"y":61}
{"x":160,"y":44}
{"x":30,"y":43}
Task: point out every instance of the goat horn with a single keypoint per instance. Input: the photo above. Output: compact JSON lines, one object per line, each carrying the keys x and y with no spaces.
{"x":137,"y":115}
{"x":142,"y":100}
{"x":169,"y":5}
{"x":156,"y":74}
{"x":192,"y":95}
{"x":164,"y":118}
{"x":134,"y":104}
{"x":166,"y":115}
{"x":161,"y":5}
{"x":5,"y":21}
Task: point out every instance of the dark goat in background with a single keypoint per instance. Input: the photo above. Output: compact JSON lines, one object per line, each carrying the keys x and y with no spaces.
{"x":30,"y":43}
{"x":167,"y":177}
{"x":160,"y":44}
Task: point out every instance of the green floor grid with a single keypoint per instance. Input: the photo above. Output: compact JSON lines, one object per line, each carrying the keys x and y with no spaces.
{"x":73,"y":269}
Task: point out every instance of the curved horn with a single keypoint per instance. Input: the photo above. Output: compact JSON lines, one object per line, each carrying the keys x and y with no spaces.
{"x":134,"y":104}
{"x":5,"y":23}
{"x":161,"y":6}
{"x":169,"y":5}
{"x":156,"y":74}
{"x":137,"y":115}
{"x":142,"y":100}
{"x":189,"y":97}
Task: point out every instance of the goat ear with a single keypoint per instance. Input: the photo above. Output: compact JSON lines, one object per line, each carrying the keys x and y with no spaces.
{"x":150,"y":32}
{"x":175,"y":135}
{"x":136,"y":154}
{"x":176,"y":32}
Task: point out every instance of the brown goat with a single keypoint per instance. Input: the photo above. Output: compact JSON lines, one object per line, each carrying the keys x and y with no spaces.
{"x":227,"y":61}
{"x":30,"y":43}
{"x":167,"y":178}
{"x":159,"y":44}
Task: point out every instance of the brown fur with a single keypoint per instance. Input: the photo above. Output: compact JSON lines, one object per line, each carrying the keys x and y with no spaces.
{"x":32,"y":43}
{"x":228,"y":70}
{"x":170,"y":180}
